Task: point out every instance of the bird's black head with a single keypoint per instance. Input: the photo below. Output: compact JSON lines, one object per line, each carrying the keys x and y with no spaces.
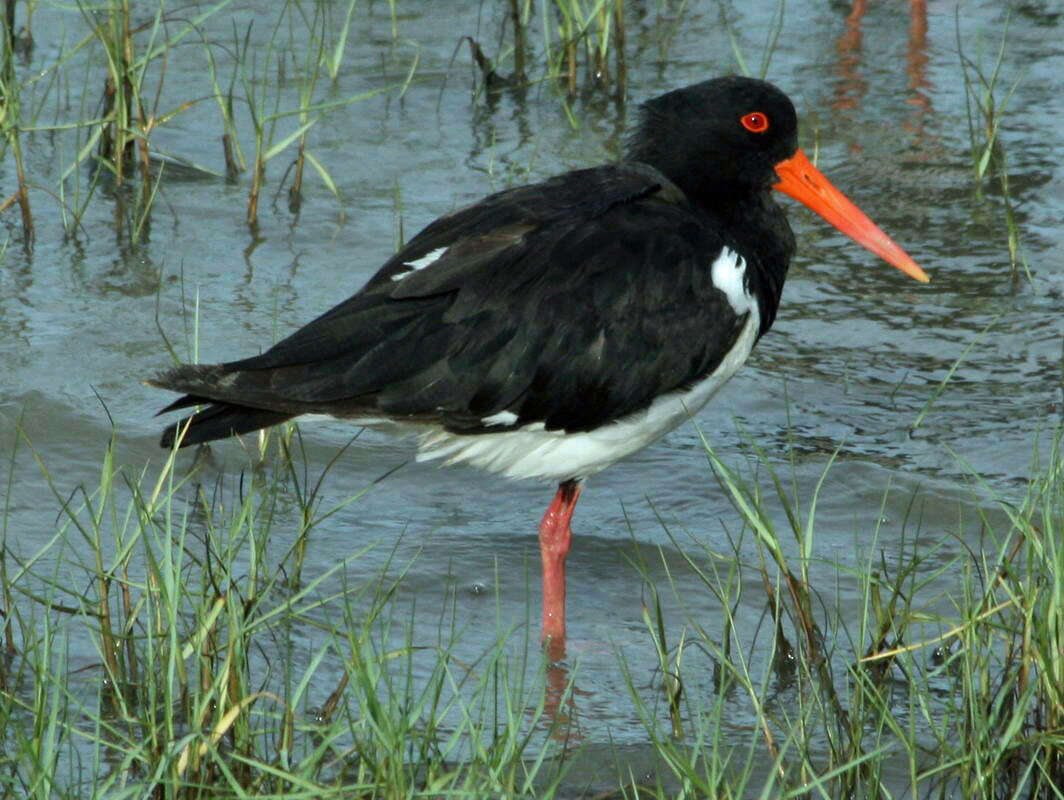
{"x":722,"y":136}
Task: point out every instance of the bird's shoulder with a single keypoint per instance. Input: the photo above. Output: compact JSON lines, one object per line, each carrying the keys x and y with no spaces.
{"x":510,"y":225}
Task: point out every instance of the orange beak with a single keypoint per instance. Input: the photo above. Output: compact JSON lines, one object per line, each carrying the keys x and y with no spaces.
{"x":806,"y":184}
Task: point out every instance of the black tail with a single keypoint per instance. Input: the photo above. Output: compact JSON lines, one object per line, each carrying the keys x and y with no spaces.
{"x":218,"y":421}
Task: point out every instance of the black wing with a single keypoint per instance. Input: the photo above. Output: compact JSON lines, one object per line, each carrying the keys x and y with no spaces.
{"x":571,"y":302}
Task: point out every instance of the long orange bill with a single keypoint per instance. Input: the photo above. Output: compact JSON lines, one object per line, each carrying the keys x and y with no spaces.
{"x":806,"y":184}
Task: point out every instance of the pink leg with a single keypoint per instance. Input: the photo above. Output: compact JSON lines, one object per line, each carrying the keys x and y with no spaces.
{"x":555,"y":537}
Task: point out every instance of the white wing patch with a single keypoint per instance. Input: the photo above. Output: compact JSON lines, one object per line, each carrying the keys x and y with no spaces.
{"x":420,"y":263}
{"x":502,"y":418}
{"x":728,"y":273}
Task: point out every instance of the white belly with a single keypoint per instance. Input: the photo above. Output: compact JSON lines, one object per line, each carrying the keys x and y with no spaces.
{"x":532,"y":452}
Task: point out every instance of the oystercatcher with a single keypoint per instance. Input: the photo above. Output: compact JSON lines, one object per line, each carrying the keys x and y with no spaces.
{"x":550,"y":330}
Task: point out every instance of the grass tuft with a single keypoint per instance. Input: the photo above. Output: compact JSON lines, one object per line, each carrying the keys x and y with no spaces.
{"x":986,"y":112}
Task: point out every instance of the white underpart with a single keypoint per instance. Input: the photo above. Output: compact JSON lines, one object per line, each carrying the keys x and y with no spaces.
{"x":533,"y":452}
{"x":502,"y":418}
{"x":420,"y":263}
{"x":382,"y":423}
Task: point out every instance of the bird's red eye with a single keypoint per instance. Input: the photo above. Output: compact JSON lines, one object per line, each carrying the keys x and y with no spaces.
{"x":755,"y":122}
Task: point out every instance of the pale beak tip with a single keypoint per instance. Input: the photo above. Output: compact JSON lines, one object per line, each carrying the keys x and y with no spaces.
{"x":914,"y":272}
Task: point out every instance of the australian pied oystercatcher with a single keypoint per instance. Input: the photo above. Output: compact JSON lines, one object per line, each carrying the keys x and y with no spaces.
{"x":550,"y":330}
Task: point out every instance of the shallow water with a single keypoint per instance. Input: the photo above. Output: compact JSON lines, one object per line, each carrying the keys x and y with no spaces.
{"x":856,"y":353}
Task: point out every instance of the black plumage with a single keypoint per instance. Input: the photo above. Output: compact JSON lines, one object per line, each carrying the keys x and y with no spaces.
{"x":572,"y":302}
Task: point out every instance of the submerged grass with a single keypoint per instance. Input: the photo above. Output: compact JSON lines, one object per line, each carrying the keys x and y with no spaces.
{"x":582,"y":47}
{"x":221,"y":672}
{"x":201,"y":689}
{"x":969,"y":703}
{"x":117,"y":68}
{"x":11,"y":123}
{"x":986,"y":111}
